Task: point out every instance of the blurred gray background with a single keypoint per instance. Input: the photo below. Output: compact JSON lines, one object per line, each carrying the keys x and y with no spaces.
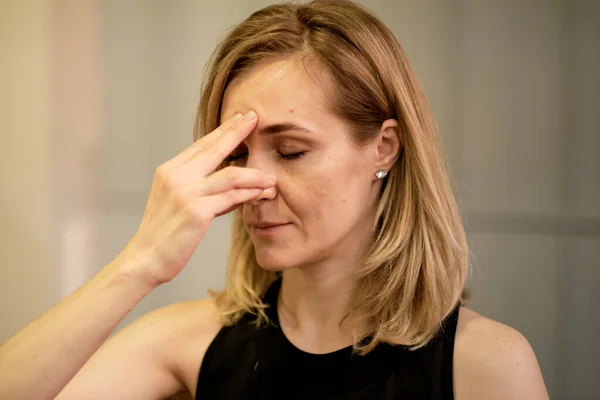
{"x":94,"y":95}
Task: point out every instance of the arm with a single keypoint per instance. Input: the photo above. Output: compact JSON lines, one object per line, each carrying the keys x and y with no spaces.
{"x":156,"y":357}
{"x":38,"y":362}
{"x":495,"y":362}
{"x":186,"y":195}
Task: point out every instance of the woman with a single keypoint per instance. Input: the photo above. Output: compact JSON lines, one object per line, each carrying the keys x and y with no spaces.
{"x":348,"y":257}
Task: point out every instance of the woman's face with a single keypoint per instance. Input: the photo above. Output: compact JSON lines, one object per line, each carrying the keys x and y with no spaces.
{"x":323,"y":204}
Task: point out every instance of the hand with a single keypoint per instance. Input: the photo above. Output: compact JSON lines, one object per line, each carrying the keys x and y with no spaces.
{"x":185,"y":197}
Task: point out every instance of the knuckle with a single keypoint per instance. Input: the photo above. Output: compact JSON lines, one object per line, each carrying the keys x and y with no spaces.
{"x":234,"y":175}
{"x":171,"y":183}
{"x":182,"y":202}
{"x":236,"y":129}
{"x":233,"y":197}
{"x":161,"y":171}
{"x":166,"y":178}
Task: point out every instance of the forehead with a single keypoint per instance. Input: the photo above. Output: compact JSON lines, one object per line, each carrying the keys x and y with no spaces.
{"x":288,"y":87}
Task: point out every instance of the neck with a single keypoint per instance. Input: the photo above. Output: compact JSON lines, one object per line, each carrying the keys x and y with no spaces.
{"x":315,"y":298}
{"x":313,"y":302}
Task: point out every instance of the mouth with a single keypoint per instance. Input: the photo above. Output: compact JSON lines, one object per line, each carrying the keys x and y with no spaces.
{"x":267,"y":228}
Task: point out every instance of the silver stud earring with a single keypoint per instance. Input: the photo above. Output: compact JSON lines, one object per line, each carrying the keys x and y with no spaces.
{"x":381,"y":174}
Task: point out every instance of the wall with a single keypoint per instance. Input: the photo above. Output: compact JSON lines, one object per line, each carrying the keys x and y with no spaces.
{"x":515,"y":89}
{"x":28,"y":279}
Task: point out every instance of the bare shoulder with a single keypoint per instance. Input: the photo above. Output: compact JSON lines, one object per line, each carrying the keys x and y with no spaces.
{"x":157,"y":356}
{"x":184,"y":332}
{"x":195,"y":318}
{"x":494,"y":361}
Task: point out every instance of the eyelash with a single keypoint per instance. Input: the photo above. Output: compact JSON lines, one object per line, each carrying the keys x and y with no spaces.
{"x":289,"y":157}
{"x":284,"y":157}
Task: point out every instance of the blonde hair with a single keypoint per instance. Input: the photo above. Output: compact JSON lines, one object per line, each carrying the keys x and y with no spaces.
{"x":415,"y":269}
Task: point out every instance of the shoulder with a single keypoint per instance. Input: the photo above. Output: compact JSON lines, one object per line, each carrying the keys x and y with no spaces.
{"x":180,"y":320}
{"x":494,"y":361}
{"x":158,"y":355}
{"x":180,"y":334}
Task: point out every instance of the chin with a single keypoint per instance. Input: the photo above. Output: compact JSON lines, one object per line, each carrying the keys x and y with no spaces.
{"x":271,"y":261}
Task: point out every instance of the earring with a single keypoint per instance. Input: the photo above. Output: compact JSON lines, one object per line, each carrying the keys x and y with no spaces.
{"x":381,"y":174}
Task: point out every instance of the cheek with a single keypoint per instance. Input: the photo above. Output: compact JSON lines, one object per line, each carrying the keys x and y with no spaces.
{"x":326,"y":189}
{"x":320,"y":199}
{"x":303,"y":193}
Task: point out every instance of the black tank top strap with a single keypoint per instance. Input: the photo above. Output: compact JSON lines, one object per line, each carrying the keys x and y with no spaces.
{"x":448,"y":331}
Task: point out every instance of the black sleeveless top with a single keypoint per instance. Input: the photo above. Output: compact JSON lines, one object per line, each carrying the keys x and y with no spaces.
{"x":246,"y":362}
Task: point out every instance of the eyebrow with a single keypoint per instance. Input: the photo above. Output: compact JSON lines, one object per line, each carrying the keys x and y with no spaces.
{"x":282,"y":127}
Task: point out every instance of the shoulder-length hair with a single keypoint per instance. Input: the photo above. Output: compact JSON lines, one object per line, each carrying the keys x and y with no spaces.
{"x":415,"y":269}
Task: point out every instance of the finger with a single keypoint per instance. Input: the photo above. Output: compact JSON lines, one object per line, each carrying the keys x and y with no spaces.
{"x":201,"y":144}
{"x":234,"y":178}
{"x":221,"y":143}
{"x":224,"y":202}
{"x":230,"y":209}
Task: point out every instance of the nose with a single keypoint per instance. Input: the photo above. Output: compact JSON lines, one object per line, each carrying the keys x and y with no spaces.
{"x":259,"y":160}
{"x":267,"y":194}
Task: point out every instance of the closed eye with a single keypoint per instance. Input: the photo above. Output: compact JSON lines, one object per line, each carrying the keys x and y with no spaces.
{"x":291,"y":156}
{"x":282,"y":156}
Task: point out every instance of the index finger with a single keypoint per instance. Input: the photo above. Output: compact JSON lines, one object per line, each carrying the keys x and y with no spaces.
{"x":201,"y":144}
{"x":221,"y":143}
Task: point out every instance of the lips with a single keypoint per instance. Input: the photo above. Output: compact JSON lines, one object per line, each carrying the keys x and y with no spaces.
{"x":266,"y":225}
{"x":270,"y":230}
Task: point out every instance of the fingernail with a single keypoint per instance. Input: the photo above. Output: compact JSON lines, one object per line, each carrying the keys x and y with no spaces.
{"x":250,"y":115}
{"x":237,"y":116}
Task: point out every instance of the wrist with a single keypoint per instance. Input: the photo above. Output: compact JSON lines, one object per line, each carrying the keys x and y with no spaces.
{"x":135,"y":266}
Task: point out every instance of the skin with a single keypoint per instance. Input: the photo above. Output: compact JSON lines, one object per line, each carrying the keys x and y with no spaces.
{"x":325,"y":198}
{"x":326,"y":195}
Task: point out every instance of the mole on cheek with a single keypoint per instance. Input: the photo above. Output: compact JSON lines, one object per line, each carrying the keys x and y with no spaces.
{"x":292,"y":111}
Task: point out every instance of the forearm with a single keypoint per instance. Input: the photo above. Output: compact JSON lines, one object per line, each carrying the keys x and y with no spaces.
{"x":44,"y":356}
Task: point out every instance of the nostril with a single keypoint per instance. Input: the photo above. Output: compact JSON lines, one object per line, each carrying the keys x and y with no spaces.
{"x":267,"y":194}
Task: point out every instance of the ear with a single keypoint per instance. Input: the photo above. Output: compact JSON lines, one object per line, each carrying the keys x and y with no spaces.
{"x":387,"y":146}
